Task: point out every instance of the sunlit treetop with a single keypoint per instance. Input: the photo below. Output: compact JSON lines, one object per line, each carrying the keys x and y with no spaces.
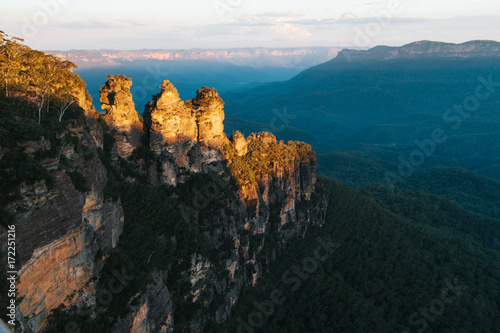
{"x":40,"y":78}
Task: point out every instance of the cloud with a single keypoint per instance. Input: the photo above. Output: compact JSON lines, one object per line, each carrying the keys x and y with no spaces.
{"x":348,"y":16}
{"x":249,"y":22}
{"x":291,"y":31}
{"x":368,"y":4}
{"x":392,"y":20}
{"x":312,"y":22}
{"x":282,"y":14}
{"x":98,"y":24}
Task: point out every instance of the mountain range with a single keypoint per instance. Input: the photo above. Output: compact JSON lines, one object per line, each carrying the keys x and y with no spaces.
{"x":224,"y":69}
{"x":389,"y":101}
{"x":300,"y":58}
{"x":190,"y":215}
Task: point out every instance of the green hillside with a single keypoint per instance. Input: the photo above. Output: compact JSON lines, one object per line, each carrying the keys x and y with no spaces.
{"x":389,"y":270}
{"x":361,"y":167}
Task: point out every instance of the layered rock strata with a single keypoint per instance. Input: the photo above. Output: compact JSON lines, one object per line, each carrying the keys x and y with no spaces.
{"x":261,"y":194}
{"x":63,"y":234}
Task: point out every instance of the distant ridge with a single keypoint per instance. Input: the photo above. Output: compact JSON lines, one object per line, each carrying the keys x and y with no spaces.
{"x":425,"y":49}
{"x":258,"y":57}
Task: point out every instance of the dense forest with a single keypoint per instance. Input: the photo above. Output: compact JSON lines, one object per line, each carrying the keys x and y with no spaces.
{"x":367,"y":165}
{"x":392,"y":266}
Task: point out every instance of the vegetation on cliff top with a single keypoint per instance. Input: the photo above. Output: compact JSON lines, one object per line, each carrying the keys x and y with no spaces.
{"x":264,"y":155}
{"x":38,"y":95}
{"x":43,"y":80}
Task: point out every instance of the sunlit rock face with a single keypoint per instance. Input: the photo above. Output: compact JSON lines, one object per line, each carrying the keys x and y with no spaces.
{"x":240,"y":143}
{"x":63,"y":234}
{"x":186,"y":137}
{"x":209,"y":117}
{"x":168,"y":120}
{"x":121,"y":115}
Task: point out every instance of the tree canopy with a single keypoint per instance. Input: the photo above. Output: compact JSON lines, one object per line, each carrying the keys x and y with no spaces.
{"x":45,"y":80}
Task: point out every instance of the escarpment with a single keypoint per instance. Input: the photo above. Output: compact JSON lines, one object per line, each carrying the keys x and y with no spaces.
{"x":213,"y":216}
{"x":65,"y":224}
{"x":253,"y":196}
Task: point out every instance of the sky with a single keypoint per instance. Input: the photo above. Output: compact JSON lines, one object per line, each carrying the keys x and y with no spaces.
{"x":209,"y":24}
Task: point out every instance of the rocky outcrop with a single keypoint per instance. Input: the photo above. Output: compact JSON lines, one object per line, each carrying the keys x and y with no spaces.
{"x":209,"y":117}
{"x":121,"y":115}
{"x":284,"y":183}
{"x":273,"y":203}
{"x":239,"y":142}
{"x":168,"y":120}
{"x":257,"y":193}
{"x":186,"y":137}
{"x":275,"y":182}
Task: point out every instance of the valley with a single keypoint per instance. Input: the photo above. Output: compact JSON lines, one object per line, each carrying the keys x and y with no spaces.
{"x":252,"y":190}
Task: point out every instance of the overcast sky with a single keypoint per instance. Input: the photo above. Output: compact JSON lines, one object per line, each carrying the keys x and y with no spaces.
{"x":176,"y":24}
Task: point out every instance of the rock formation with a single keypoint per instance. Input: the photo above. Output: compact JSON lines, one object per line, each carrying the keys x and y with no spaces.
{"x":185,"y":136}
{"x":168,"y":120}
{"x":121,"y":115}
{"x":274,"y":198}
{"x":240,"y":143}
{"x":209,"y":117}
{"x":256,"y":187}
{"x":280,"y":182}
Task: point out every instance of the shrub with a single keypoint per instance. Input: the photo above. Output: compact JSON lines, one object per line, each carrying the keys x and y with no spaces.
{"x":79,"y":181}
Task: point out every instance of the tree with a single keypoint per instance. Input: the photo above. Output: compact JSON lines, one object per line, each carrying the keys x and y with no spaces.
{"x":40,"y":78}
{"x":43,"y":73}
{"x":63,"y":102}
{"x":11,"y":56}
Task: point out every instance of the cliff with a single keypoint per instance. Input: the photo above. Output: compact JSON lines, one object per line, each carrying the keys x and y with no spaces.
{"x":257,"y":57}
{"x":246,"y":197}
{"x":131,"y":226}
{"x":65,"y":226}
{"x":425,"y":50}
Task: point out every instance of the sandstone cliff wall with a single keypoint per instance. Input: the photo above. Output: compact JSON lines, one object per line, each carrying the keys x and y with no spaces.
{"x":61,"y":230}
{"x":264,"y":195}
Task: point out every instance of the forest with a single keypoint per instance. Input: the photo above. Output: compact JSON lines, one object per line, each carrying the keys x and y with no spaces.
{"x":397,"y":267}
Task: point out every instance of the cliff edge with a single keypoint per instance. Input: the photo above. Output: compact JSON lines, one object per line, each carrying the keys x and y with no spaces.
{"x":141,"y":225}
